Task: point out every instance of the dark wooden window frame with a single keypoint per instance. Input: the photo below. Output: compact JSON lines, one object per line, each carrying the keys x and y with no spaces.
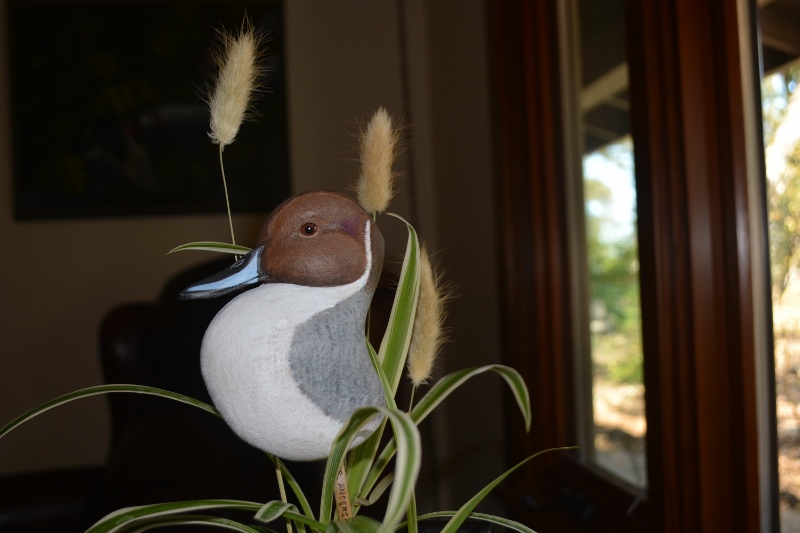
{"x":694,"y":209}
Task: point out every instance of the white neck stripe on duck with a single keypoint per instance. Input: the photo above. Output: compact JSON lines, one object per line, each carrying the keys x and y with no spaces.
{"x":362,"y":281}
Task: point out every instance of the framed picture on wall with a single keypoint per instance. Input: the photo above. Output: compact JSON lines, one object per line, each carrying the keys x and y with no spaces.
{"x":108,"y":109}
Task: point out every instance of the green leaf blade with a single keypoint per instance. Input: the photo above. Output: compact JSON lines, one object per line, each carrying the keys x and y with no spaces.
{"x":462,"y":514}
{"x":499,"y":520}
{"x":378,"y":491}
{"x":389,"y":362}
{"x":357,"y":524}
{"x":438,"y":393}
{"x":411,"y":515}
{"x":406,"y":466}
{"x":193,"y":520}
{"x":362,"y":456}
{"x":446,"y":385}
{"x":104,"y":389}
{"x":295,"y":486}
{"x":123,"y":519}
{"x":275,"y":509}
{"x":211,"y":246}
{"x":387,"y":387}
{"x":394,"y":346}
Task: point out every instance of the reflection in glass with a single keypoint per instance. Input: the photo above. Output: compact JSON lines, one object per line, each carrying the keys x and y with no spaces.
{"x":615,"y":424}
{"x":614,"y":310}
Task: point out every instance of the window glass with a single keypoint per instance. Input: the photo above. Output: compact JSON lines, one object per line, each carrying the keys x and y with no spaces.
{"x":614,"y":310}
{"x":609,"y":266}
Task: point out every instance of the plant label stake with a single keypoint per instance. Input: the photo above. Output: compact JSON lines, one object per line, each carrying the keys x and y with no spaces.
{"x":343,"y":507}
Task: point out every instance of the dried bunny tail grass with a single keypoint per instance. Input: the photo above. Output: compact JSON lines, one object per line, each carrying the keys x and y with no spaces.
{"x":428,"y":333}
{"x":239,"y":70}
{"x":378,"y":149}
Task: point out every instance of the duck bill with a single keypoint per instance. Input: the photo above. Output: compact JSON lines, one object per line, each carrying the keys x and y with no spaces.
{"x":244,"y":272}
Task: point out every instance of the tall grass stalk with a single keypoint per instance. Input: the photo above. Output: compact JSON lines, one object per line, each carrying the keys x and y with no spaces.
{"x":227,"y":200}
{"x":231,"y":100}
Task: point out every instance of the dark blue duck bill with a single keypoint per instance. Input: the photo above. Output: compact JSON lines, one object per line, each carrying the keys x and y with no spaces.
{"x":244,"y":272}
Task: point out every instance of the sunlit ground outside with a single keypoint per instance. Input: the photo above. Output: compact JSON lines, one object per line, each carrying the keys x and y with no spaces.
{"x":781,"y":110}
{"x":615,"y":316}
{"x":786,"y":311}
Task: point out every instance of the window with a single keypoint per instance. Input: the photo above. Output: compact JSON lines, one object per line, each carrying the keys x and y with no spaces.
{"x":606,"y":263}
{"x":702,"y":282}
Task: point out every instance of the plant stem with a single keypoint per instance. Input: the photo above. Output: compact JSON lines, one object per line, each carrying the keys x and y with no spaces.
{"x":411,"y":401}
{"x":227,"y":201}
{"x":282,"y":490}
{"x":411,"y":513}
{"x":369,"y":311}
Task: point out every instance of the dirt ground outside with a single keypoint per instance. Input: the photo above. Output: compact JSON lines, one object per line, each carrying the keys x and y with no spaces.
{"x":620,"y":424}
{"x":620,"y":428}
{"x":786,"y":319}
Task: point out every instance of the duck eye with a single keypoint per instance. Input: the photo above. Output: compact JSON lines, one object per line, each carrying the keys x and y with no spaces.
{"x":309,"y":228}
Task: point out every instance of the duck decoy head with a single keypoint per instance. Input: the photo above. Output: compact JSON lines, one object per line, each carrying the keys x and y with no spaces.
{"x":316,"y":239}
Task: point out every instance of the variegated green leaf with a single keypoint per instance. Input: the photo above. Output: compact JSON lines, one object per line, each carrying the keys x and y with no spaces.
{"x":406,"y":435}
{"x":379,"y":465}
{"x":378,"y":491}
{"x":191,"y":520}
{"x":361,"y":457}
{"x":500,"y":521}
{"x":462,"y":514}
{"x":105,"y":389}
{"x":339,"y":448}
{"x":442,"y":390}
{"x":357,"y":524}
{"x":273,"y":510}
{"x":387,"y":387}
{"x":451,"y":382}
{"x":210,"y":246}
{"x":391,"y":358}
{"x":121,"y":520}
{"x":360,"y":462}
{"x":298,"y":492}
{"x":411,"y":515}
{"x":394,"y":346}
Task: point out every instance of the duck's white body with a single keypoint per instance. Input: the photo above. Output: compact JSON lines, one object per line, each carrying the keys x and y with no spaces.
{"x":285,"y":364}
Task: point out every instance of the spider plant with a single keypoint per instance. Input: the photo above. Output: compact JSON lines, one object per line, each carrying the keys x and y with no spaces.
{"x":367,"y":464}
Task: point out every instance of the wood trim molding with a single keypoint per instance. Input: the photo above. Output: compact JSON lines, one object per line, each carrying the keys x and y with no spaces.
{"x":688,"y":127}
{"x":533,"y":224}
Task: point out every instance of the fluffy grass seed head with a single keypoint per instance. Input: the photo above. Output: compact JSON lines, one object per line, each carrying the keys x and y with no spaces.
{"x":375,"y":186}
{"x":428,"y":333}
{"x":239,"y":70}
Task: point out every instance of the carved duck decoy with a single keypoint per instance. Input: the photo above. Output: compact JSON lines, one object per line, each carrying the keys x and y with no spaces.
{"x":286,"y":363}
